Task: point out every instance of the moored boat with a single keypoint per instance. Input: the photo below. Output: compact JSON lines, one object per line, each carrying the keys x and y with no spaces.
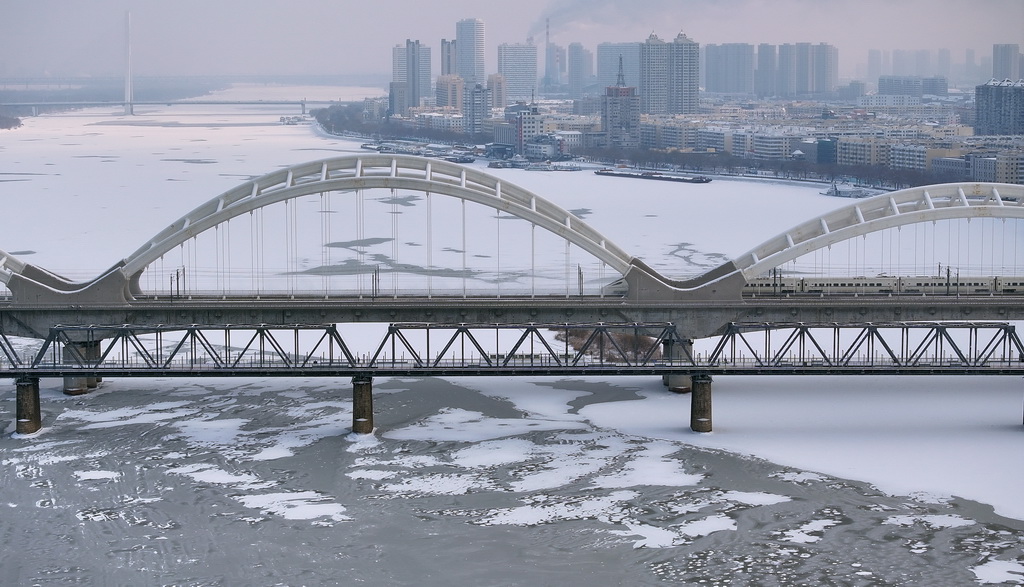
{"x":847,"y":192}
{"x":653,"y":175}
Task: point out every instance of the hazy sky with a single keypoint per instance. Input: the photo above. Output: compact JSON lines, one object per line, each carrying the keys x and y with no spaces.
{"x":86,"y":37}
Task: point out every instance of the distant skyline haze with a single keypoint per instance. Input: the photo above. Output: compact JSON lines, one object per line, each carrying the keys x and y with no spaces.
{"x":61,"y":38}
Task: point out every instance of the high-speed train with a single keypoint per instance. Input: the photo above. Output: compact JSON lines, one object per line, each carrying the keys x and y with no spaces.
{"x":882,"y":285}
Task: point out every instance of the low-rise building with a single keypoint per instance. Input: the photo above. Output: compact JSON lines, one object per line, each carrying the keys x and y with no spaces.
{"x":951,"y":168}
{"x":917,"y":156}
{"x":862,"y":151}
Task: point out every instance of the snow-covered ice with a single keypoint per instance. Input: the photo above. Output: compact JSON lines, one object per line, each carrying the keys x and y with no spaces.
{"x":601,"y":458}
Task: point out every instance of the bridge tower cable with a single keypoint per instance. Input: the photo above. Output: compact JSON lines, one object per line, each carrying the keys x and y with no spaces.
{"x":497,"y":253}
{"x":533,"y":260}
{"x":464,"y":247}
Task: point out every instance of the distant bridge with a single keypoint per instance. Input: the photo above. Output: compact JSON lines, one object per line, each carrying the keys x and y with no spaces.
{"x":129,"y":106}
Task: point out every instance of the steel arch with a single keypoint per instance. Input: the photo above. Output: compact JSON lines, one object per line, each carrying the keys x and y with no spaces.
{"x":9,"y":265}
{"x":378,"y":171}
{"x":909,"y":206}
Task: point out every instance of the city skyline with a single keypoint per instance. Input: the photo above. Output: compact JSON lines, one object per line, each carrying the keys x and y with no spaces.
{"x":57,"y":38}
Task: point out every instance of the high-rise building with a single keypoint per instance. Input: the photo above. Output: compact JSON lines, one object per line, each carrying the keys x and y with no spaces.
{"x":410,"y":75}
{"x":554,"y":66}
{"x":608,"y":55}
{"x":469,"y":50}
{"x":807,"y":69}
{"x":449,"y":63}
{"x":767,"y":74}
{"x":874,"y":65}
{"x":669,"y":75}
{"x":518,"y":63}
{"x":498,"y":86}
{"x":398,"y":99}
{"x":999,"y":108}
{"x":944,"y":64}
{"x":620,"y":114}
{"x":825,"y":62}
{"x":729,"y":68}
{"x":683,"y":75}
{"x":1006,"y":62}
{"x":653,"y":86}
{"x":476,"y":107}
{"x":580,"y":69}
{"x":449,"y":92}
{"x":970,"y":66}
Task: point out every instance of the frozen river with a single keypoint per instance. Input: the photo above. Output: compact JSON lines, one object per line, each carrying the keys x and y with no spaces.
{"x":534,"y":481}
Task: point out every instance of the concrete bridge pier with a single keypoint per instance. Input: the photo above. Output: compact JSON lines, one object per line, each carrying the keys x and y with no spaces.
{"x":670,"y":350}
{"x":28,"y":415}
{"x":362,"y":404}
{"x":74,"y":384}
{"x":92,"y":354}
{"x":700,"y":404}
{"x":81,"y":353}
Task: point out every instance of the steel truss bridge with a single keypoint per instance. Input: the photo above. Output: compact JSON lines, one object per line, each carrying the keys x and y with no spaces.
{"x":421,"y":349}
{"x":642,"y":323}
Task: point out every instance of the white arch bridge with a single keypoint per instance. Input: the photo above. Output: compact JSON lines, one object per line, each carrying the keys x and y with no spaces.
{"x":103,"y":327}
{"x":162,"y":281}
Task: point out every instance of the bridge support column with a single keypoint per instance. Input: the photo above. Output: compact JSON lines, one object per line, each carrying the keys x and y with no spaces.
{"x":677,"y":382}
{"x":362,"y":404}
{"x":700,"y":404}
{"x":73,"y":354}
{"x":92,"y":353}
{"x":29,"y":418}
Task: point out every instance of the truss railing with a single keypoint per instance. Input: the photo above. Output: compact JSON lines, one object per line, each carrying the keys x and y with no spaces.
{"x":895,"y":345}
{"x":521,"y":349}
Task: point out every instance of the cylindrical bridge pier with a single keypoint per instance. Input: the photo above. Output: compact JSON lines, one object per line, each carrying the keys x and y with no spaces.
{"x":700,"y":403}
{"x":362,"y":404}
{"x":29,"y":417}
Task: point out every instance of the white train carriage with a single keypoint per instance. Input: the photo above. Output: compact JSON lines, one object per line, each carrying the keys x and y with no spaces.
{"x":850,"y":285}
{"x":884,"y":285}
{"x":947,"y":285}
{"x":1009,"y":285}
{"x":773,"y":286}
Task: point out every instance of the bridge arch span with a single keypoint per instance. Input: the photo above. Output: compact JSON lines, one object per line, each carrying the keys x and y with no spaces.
{"x":9,"y":265}
{"x":910,"y":206}
{"x":352,"y":173}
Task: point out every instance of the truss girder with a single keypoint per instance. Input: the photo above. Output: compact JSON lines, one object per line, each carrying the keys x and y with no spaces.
{"x":904,"y":347}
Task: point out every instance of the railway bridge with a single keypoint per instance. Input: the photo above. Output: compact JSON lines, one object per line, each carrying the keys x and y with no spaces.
{"x":492,"y":279}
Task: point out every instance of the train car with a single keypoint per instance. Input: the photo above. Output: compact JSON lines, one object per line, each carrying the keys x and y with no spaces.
{"x":851,"y":285}
{"x":1009,"y":285}
{"x":773,"y":286}
{"x":948,"y":285}
{"x":884,"y":285}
